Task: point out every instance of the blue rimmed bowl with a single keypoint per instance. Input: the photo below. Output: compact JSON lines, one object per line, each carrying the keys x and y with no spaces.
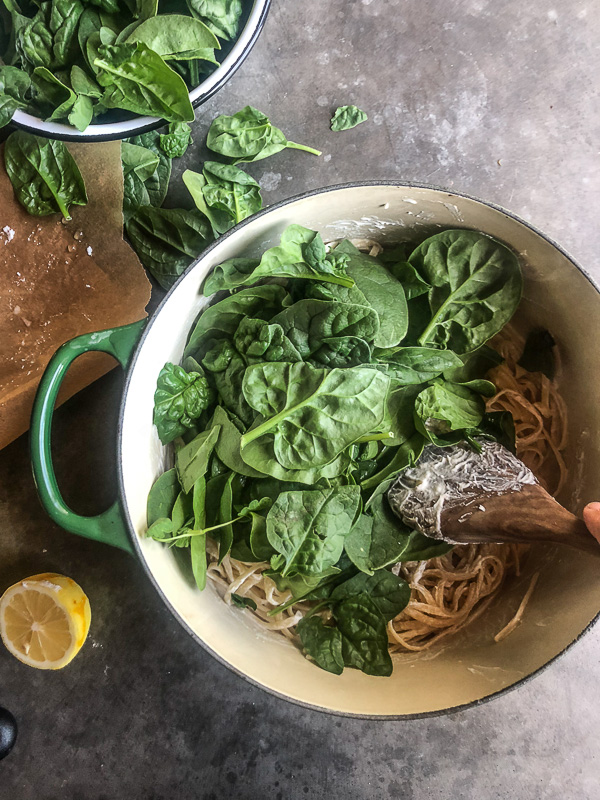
{"x":235,"y":55}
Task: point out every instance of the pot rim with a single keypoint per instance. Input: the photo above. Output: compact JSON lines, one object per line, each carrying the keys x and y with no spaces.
{"x":133,"y":536}
{"x":110,"y":131}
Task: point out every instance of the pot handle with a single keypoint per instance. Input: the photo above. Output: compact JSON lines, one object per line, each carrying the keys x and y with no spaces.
{"x":108,"y":527}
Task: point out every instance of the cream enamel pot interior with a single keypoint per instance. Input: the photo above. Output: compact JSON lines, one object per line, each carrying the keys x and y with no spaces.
{"x":471,"y":667}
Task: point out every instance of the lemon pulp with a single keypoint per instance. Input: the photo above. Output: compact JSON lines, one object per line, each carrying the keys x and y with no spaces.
{"x":44,"y":620}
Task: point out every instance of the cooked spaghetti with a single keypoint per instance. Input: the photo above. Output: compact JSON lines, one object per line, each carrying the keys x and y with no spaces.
{"x":450,"y":591}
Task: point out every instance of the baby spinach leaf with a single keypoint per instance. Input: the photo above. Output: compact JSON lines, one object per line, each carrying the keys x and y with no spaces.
{"x":308,"y":527}
{"x":476,"y":287}
{"x":138,"y":80}
{"x":162,"y":496}
{"x":313,"y":414}
{"x":64,"y":18}
{"x":82,"y":112}
{"x":316,"y":290}
{"x":286,"y":260}
{"x":175,"y":36}
{"x":421,"y":548}
{"x":298,"y":585}
{"x":257,"y":340}
{"x":412,"y":283}
{"x":34,"y":42}
{"x":167,"y":240}
{"x":481,"y":386}
{"x":364,"y":635}
{"x":83,"y":84}
{"x":389,"y":592}
{"x":308,"y":323}
{"x":243,"y":602}
{"x":51,"y":94}
{"x":228,"y":445}
{"x":198,"y":557}
{"x":161,"y":529}
{"x":408,"y":365}
{"x":143,"y":8}
{"x":260,"y":455}
{"x":139,"y":160}
{"x":388,"y":537}
{"x":177,"y":140}
{"x":347,"y":117}
{"x":44,"y":174}
{"x":383,"y":293}
{"x":342,"y":352}
{"x":404,"y":456}
{"x":198,"y":543}
{"x":323,"y":643}
{"x":140,"y":168}
{"x":14,"y":88}
{"x":259,"y":543}
{"x":229,"y":191}
{"x":229,"y":386}
{"x":158,"y":183}
{"x":192,"y":460}
{"x":399,"y":414}
{"x":226,"y":514}
{"x":248,"y":135}
{"x":222,"y":319}
{"x":445,"y":407}
{"x":358,"y":543}
{"x":474,"y":365}
{"x":180,"y":398}
{"x":220,"y":221}
{"x":221,"y":16}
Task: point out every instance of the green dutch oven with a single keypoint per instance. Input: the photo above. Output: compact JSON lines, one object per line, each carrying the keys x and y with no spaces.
{"x":471,"y":667}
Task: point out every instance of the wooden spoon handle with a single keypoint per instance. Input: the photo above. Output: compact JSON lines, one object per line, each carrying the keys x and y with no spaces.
{"x":530,"y":515}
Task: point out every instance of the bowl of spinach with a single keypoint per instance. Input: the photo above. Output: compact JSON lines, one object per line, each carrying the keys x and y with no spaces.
{"x":256,"y":401}
{"x":94,"y":71}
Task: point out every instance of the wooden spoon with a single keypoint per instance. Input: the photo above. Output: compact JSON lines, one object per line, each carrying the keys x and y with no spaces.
{"x":462,"y":496}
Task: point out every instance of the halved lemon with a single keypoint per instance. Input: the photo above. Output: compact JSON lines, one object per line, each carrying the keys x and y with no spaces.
{"x":44,"y":620}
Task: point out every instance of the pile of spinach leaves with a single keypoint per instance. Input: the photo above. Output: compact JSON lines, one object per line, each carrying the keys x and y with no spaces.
{"x":308,"y":384}
{"x":223,"y":194}
{"x":46,"y":180}
{"x":80,"y":60}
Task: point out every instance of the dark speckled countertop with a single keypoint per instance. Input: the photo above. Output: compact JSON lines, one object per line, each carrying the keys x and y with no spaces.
{"x":499,"y":100}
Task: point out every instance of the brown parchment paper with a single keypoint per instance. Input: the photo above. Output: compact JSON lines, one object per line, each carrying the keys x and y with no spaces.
{"x":58,"y":280}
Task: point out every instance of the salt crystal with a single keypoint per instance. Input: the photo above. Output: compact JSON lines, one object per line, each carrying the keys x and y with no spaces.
{"x":10,"y":234}
{"x":89,"y":250}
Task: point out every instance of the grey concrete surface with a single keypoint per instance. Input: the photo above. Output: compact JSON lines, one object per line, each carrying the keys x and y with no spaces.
{"x":499,"y":100}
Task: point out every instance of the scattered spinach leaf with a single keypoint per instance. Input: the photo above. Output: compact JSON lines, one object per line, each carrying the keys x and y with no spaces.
{"x":248,"y":135}
{"x":44,"y":174}
{"x":347,"y":117}
{"x":177,"y":140}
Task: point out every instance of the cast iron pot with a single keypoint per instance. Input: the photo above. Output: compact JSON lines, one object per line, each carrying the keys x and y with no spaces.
{"x":471,"y":667}
{"x":234,"y":56}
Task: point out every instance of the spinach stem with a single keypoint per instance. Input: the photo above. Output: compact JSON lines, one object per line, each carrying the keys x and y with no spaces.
{"x":375,"y":437}
{"x":295,"y":146}
{"x":202,"y":531}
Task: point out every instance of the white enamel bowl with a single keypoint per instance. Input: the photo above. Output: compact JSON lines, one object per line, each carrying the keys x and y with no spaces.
{"x":471,"y":668}
{"x":107,"y":131}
